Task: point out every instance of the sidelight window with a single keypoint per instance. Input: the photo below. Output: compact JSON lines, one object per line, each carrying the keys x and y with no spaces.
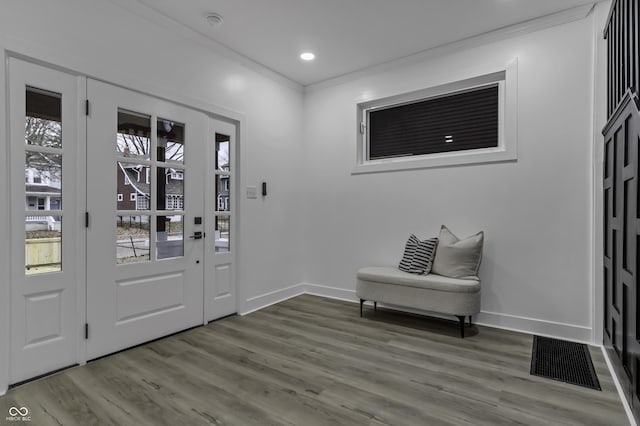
{"x":43,"y":139}
{"x":223,"y":176}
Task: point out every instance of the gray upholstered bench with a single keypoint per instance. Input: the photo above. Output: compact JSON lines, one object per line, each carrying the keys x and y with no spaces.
{"x":436,"y":293}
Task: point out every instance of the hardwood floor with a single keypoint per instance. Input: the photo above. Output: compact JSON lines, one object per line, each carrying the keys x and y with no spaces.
{"x":314,"y":361}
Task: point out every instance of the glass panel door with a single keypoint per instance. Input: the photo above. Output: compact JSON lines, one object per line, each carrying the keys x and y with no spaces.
{"x":146,"y":278}
{"x":43,"y":108}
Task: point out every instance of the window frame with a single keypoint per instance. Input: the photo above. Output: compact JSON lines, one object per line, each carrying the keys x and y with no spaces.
{"x":506,"y":80}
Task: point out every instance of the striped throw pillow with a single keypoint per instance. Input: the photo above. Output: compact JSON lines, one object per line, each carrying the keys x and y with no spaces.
{"x":409,"y":251}
{"x":418,"y":255}
{"x":423,"y":257}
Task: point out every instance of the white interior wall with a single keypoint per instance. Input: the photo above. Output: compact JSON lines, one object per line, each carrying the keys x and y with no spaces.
{"x":99,"y":39}
{"x":536,"y":212}
{"x":319,"y":223}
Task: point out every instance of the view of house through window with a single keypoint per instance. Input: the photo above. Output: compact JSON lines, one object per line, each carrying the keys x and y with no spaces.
{"x":155,"y":182}
{"x":149,"y":193}
{"x":222,"y":185}
{"x":170,"y":189}
{"x":43,"y":181}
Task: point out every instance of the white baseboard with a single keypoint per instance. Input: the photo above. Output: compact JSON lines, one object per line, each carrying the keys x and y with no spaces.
{"x":571,"y":332}
{"x":262,"y":301}
{"x":331,"y":292}
{"x":490,"y":319}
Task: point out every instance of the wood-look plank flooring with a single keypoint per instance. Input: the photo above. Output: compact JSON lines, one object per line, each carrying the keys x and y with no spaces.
{"x":314,"y":361}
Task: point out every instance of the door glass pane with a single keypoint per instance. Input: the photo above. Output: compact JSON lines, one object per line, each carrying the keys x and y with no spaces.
{"x":133,"y":182}
{"x":222,"y":153}
{"x":222,"y":193}
{"x":170,"y":141}
{"x":43,"y":244}
{"x":134,"y":135}
{"x":170,"y":242}
{"x":222,"y":233}
{"x":132,"y":239}
{"x":43,"y":125}
{"x":43,"y":181}
{"x":170,"y":189}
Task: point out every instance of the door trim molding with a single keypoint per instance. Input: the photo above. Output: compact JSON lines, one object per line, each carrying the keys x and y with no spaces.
{"x":81,"y":239}
{"x":5,"y":275}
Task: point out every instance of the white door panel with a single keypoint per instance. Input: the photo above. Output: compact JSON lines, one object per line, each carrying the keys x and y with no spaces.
{"x":219,"y":283}
{"x":43,"y":106}
{"x":144,"y":190}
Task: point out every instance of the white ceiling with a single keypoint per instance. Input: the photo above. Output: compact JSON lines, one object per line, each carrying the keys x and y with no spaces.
{"x":346,"y":35}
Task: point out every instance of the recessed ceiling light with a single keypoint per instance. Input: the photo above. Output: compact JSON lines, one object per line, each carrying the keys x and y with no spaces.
{"x":307,"y":56}
{"x":214,"y":19}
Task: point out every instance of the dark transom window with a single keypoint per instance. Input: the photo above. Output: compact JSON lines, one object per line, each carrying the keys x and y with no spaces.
{"x":453,"y":122}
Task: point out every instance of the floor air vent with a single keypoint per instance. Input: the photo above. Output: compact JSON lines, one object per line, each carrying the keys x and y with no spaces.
{"x":568,"y":362}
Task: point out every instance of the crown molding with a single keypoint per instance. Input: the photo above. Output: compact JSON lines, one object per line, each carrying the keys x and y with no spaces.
{"x":531,"y":26}
{"x":154,"y":16}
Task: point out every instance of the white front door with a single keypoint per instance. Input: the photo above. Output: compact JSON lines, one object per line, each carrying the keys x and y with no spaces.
{"x":47,"y":231}
{"x":219,"y":283}
{"x":145,"y":186}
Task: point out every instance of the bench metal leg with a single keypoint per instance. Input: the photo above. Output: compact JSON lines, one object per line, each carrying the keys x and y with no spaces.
{"x":361,"y":302}
{"x":470,"y":321}
{"x":461,"y":318}
{"x":375,"y":306}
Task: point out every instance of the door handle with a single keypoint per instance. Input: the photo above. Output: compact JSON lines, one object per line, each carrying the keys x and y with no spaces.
{"x":196,"y":235}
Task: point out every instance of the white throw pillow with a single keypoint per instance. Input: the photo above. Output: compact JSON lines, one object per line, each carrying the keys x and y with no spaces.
{"x":458,"y":258}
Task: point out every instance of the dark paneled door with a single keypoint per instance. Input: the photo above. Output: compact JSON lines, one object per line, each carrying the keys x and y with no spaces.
{"x":622,"y":245}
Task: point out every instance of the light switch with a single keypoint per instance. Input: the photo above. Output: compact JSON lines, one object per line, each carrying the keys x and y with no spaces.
{"x":252,"y":192}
